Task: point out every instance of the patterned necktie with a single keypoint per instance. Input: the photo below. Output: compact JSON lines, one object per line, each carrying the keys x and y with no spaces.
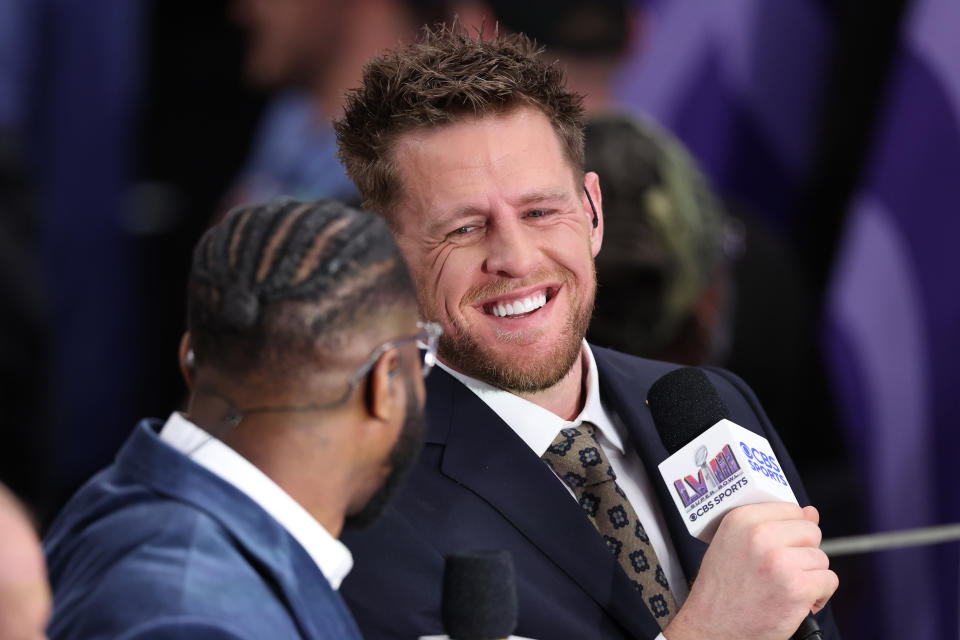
{"x":576,"y":457}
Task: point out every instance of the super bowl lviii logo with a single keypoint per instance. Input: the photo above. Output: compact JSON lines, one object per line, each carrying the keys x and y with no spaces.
{"x":710,"y":475}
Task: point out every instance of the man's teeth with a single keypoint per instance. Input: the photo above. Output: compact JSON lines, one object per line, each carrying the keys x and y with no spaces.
{"x":520,"y":306}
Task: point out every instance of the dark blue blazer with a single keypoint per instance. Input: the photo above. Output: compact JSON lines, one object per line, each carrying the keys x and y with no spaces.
{"x":155,"y":546}
{"x":477,"y":485}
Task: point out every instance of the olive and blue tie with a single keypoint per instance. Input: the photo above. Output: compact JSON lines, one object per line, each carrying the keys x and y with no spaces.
{"x":576,"y":457}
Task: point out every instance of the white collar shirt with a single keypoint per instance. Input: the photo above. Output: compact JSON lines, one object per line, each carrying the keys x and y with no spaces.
{"x":538,"y":427}
{"x":331,"y":556}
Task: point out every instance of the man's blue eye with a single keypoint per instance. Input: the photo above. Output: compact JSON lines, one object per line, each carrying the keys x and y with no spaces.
{"x":536,"y":213}
{"x":462,"y":230}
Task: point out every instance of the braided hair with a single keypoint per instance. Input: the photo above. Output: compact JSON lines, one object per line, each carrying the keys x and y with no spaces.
{"x":271,"y":282}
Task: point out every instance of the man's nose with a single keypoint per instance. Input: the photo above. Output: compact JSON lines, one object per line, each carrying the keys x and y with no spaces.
{"x":511,"y":252}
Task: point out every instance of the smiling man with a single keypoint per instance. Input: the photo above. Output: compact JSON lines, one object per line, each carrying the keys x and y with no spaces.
{"x":473,"y":151}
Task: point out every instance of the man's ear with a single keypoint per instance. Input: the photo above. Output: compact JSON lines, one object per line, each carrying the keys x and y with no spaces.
{"x":591,"y":185}
{"x":188,"y":359}
{"x":383,"y":397}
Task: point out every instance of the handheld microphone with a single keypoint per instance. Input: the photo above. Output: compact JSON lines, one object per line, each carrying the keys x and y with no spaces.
{"x":715,"y":465}
{"x":479,"y":595}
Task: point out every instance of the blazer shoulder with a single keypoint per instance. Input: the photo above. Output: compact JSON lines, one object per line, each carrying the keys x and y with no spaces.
{"x":627,"y":362}
{"x":157,"y":550}
{"x":641,"y":373}
{"x":158,"y":540}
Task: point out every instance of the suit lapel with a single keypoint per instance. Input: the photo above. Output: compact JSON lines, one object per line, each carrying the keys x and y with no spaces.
{"x":624,"y":392}
{"x":267,"y":546}
{"x":486,"y":456}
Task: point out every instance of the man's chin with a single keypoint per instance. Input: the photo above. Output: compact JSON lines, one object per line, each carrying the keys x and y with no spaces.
{"x":514,"y":370}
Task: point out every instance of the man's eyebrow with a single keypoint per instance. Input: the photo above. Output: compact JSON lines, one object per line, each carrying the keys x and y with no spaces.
{"x":543,"y":196}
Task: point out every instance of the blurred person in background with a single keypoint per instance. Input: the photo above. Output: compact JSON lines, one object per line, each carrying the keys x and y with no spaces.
{"x":305,"y":409}
{"x":310,"y":52}
{"x":24,"y":593}
{"x":664,"y":273}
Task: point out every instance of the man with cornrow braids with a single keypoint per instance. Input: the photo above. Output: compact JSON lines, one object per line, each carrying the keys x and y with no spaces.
{"x":472,"y":148}
{"x":302,"y":357}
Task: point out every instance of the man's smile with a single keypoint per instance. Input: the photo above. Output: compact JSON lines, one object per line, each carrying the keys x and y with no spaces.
{"x":518,"y":305}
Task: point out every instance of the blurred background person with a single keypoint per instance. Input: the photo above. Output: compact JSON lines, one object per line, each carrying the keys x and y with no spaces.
{"x":310,"y":52}
{"x":664,"y":271}
{"x":25,"y":601}
{"x":305,"y":409}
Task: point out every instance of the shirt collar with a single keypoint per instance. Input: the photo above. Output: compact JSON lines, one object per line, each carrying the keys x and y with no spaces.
{"x":332,"y":556}
{"x":535,"y":425}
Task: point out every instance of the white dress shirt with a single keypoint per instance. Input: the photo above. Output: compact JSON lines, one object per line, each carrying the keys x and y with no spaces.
{"x":538,"y":427}
{"x":332,"y":556}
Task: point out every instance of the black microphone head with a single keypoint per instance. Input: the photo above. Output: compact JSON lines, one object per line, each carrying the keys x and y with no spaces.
{"x":684,"y":404}
{"x":479,"y":595}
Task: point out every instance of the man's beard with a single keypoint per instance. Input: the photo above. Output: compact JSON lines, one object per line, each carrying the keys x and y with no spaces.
{"x":402,"y":457}
{"x":459,"y":349}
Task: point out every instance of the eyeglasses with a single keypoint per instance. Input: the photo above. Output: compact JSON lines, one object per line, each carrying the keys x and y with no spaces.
{"x":428,"y":345}
{"x":427,"y":340}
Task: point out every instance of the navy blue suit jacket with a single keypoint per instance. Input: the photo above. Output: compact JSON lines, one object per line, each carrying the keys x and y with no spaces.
{"x":155,"y":546}
{"x":477,"y":485}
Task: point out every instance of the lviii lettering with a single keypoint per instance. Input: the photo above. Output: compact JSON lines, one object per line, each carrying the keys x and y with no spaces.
{"x":709,"y":476}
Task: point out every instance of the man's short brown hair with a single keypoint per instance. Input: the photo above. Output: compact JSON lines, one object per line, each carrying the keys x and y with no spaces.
{"x":445,"y":75}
